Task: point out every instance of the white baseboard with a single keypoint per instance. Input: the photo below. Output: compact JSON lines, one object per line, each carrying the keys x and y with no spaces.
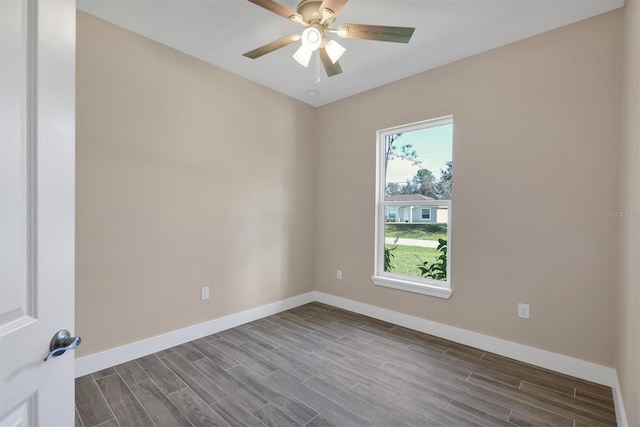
{"x":95,"y":362}
{"x":621,"y":415}
{"x":556,"y":362}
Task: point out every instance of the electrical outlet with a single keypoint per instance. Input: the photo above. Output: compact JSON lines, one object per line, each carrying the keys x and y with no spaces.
{"x":339,"y":274}
{"x":204,"y":293}
{"x":523,"y":310}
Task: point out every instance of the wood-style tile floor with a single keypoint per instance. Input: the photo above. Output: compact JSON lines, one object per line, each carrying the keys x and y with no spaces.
{"x":321,"y":366}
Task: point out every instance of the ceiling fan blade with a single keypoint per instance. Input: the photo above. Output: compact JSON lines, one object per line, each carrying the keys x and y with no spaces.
{"x":329,"y":67}
{"x":279,"y":9}
{"x":274,"y":45}
{"x":375,"y":32}
{"x":335,"y":6}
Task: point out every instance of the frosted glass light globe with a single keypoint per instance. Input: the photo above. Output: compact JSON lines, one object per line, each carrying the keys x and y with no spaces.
{"x":311,"y":38}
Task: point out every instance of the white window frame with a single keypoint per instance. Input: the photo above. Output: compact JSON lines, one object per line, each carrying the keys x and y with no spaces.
{"x":422,"y":210}
{"x":421,"y":285}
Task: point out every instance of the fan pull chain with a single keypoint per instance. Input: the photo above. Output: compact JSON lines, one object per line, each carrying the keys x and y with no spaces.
{"x":317,"y":83}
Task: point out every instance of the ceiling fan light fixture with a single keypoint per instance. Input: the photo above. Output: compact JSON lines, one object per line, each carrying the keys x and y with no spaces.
{"x":334,"y":50}
{"x":303,"y":56}
{"x":311,"y":38}
{"x":317,"y":17}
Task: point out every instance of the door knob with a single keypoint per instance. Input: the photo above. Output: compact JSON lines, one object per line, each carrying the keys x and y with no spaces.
{"x":61,"y":342}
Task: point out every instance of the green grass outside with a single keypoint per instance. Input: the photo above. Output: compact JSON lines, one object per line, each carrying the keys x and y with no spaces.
{"x":407,"y":258}
{"x":430,"y":231}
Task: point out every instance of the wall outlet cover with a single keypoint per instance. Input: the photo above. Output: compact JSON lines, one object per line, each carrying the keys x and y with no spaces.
{"x":523,"y":310}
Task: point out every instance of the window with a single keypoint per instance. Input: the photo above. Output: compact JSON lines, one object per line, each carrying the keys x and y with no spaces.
{"x":413,"y":208}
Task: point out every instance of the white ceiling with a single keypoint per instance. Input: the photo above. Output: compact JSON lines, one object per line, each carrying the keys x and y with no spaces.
{"x":220,"y":31}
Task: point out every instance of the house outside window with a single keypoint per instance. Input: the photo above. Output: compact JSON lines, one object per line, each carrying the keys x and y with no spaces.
{"x":413,"y":207}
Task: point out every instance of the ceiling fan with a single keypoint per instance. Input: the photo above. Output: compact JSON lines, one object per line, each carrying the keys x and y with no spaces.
{"x":317,"y":17}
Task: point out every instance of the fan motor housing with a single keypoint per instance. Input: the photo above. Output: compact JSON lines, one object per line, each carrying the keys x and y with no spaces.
{"x":310,"y":11}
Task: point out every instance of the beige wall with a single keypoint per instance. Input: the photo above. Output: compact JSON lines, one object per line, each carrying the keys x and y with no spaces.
{"x":187,"y":176}
{"x":536,"y":131}
{"x":628,"y":327}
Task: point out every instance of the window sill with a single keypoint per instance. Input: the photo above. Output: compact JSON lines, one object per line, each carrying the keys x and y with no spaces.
{"x":411,"y":286}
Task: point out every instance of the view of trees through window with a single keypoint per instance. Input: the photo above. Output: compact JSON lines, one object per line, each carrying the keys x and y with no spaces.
{"x":418,"y":168}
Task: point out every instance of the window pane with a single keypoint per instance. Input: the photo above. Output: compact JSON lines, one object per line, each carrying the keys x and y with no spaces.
{"x":418,"y":170}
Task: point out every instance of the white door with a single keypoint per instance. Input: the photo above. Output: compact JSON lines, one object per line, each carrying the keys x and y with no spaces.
{"x":37,"y":168}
